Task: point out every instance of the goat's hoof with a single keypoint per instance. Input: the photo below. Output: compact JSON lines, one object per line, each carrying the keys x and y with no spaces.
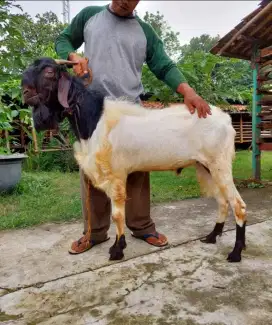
{"x":116,"y":251}
{"x":116,"y":254}
{"x":234,"y":257}
{"x":211,"y":238}
{"x":217,"y":231}
{"x":208,"y":240}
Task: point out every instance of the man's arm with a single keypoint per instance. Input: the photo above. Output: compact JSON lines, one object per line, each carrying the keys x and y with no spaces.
{"x":166,"y":70}
{"x":71,"y":38}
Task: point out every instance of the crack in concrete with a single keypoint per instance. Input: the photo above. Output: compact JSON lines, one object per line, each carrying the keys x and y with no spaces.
{"x":78,"y":309}
{"x":40,"y":284}
{"x":146,"y":281}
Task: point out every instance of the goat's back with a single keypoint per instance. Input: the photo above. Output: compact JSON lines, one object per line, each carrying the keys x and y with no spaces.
{"x":171,"y":137}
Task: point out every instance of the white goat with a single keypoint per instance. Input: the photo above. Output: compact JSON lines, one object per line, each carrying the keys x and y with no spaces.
{"x":130,"y":138}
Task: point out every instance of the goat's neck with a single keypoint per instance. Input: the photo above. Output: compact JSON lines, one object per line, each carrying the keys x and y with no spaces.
{"x":87,"y":108}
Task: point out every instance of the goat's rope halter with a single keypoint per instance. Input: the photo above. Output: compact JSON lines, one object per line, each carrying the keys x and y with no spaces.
{"x":64,"y":86}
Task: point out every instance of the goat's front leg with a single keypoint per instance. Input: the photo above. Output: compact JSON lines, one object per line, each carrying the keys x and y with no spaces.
{"x":118,"y":199}
{"x":222,"y":175}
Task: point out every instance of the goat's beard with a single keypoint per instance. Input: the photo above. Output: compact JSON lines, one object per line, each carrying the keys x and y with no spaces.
{"x":44,"y":118}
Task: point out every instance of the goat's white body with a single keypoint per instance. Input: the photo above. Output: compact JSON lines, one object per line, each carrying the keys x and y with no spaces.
{"x":167,"y":139}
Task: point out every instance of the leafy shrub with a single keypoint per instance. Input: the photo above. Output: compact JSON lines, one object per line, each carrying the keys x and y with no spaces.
{"x":62,"y":160}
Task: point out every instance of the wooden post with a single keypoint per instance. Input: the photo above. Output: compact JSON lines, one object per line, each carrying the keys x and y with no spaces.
{"x":256,"y":109}
{"x":241,"y":129}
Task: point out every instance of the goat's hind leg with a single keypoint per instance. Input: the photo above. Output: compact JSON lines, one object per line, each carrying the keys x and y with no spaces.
{"x":239,"y":210}
{"x":118,"y":199}
{"x":222,"y":175}
{"x":220,"y":222}
{"x":210,"y":188}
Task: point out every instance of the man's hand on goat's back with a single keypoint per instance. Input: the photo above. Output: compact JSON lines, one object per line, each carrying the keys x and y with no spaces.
{"x":193,"y":101}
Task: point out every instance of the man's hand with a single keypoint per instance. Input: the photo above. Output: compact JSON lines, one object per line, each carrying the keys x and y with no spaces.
{"x":81,"y":69}
{"x":194,"y":101}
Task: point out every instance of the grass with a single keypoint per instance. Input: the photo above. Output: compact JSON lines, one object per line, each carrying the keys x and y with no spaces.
{"x":54,"y":196}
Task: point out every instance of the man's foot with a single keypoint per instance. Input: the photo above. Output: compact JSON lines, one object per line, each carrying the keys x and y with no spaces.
{"x":155,"y":239}
{"x":84,"y":244}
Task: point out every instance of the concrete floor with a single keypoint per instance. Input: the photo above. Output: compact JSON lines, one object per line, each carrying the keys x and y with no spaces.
{"x":187,"y":283}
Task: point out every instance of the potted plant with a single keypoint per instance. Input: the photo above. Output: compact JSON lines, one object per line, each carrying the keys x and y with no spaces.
{"x":11,"y":113}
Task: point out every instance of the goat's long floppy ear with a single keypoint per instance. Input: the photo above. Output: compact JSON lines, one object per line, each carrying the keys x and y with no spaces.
{"x":63,"y":90}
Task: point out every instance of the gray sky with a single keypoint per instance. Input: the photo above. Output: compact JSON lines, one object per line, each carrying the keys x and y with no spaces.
{"x":190,"y":18}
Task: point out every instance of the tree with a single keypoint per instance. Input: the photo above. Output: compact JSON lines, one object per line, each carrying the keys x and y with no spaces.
{"x":217,"y":79}
{"x":22,"y":39}
{"x":223,"y":67}
{"x":41,"y":31}
{"x":202,"y":43}
{"x":11,"y":40}
{"x":164,"y":31}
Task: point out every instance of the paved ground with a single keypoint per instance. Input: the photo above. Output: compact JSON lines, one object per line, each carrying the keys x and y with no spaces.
{"x":188,"y":283}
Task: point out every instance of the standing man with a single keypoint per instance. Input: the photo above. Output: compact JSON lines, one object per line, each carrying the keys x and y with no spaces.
{"x":117,"y":43}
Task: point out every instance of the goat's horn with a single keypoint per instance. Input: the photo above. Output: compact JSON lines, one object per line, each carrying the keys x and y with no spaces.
{"x":60,"y":61}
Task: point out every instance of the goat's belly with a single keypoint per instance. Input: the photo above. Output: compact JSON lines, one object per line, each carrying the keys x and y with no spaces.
{"x":141,"y":144}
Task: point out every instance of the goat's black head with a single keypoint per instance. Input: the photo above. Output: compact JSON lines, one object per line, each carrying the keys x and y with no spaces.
{"x":45,"y":87}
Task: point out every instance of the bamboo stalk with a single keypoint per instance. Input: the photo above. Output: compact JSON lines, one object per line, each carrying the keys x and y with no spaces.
{"x":34,"y":136}
{"x":56,"y":149}
{"x":7,"y":139}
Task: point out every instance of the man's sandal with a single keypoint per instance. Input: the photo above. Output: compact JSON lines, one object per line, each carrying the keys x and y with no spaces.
{"x":155,"y":239}
{"x":84,"y":244}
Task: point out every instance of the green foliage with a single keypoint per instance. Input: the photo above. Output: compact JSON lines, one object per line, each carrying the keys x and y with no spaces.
{"x":202,"y":43}
{"x":216,"y":79}
{"x":165,"y":32}
{"x":22,"y":39}
{"x":41,"y":32}
{"x":11,"y":40}
{"x":12,"y":113}
{"x":62,"y":161}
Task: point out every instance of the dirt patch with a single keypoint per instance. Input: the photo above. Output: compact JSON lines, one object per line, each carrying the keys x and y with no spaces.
{"x":240,"y":294}
{"x":6,"y":317}
{"x":95,"y":312}
{"x":117,"y":318}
